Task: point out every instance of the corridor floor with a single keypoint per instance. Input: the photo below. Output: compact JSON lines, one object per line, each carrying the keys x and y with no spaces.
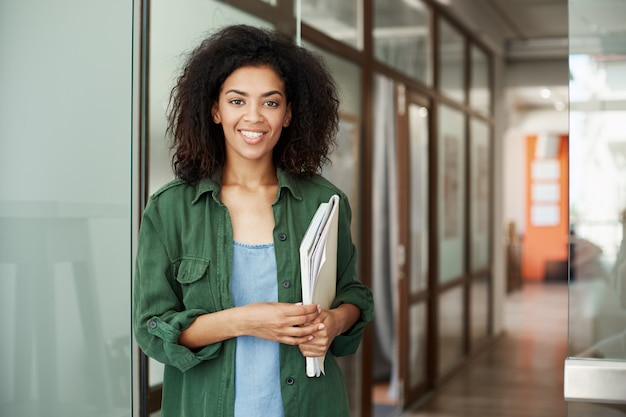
{"x":521,"y":375}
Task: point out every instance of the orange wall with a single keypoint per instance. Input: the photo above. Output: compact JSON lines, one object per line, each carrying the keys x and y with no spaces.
{"x":545,"y":243}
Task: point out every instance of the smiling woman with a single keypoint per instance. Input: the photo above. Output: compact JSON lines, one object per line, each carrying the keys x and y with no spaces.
{"x":252,"y":109}
{"x":217,"y":291}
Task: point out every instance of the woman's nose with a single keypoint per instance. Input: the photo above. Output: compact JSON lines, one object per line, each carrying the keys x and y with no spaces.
{"x":253,"y":114}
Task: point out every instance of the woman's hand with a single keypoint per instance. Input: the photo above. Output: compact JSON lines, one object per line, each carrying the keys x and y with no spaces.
{"x":291,"y":324}
{"x":329,"y":324}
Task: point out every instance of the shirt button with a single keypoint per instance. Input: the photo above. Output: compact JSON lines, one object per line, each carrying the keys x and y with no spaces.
{"x":152,"y":324}
{"x":286,"y":284}
{"x":282,"y":237}
{"x":290,"y":381}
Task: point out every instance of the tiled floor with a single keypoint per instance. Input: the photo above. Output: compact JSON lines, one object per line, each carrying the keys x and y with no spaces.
{"x":522,"y":374}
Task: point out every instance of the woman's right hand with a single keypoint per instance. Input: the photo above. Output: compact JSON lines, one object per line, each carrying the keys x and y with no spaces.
{"x":291,"y":324}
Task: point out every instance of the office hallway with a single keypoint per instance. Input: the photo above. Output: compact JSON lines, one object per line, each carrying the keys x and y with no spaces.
{"x":521,"y":375}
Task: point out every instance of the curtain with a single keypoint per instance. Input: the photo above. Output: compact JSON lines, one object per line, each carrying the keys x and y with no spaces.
{"x":385,"y":233}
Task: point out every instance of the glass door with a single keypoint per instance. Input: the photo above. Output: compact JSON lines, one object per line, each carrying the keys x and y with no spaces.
{"x":414,"y":297}
{"x":595,"y":369}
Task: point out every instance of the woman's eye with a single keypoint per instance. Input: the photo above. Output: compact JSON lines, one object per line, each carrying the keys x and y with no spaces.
{"x":271,"y":104}
{"x":236,"y":101}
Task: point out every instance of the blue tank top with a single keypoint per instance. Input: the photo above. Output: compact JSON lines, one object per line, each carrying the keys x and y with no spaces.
{"x":257,"y":361}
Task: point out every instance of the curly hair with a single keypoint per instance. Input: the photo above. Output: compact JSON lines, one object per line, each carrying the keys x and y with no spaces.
{"x":198,"y":142}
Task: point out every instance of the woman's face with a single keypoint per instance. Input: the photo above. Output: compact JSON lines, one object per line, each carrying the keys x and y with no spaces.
{"x":252,"y":109}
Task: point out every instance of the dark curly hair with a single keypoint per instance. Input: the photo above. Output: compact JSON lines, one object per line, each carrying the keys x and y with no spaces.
{"x":198,"y":142}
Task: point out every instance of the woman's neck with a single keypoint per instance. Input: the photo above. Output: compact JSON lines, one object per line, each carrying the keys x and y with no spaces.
{"x":249,"y":175}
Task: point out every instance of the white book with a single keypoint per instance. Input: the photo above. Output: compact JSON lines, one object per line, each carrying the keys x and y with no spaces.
{"x":318,"y":263}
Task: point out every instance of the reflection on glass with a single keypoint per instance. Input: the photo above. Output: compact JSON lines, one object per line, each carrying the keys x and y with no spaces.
{"x":450,"y":330}
{"x":418,"y":165}
{"x":451,"y":145}
{"x":341,"y":20}
{"x":451,"y":61}
{"x":65,"y":219}
{"x":480,"y":87}
{"x":479,"y":311}
{"x":402,"y":37}
{"x":417,"y":344}
{"x":598,"y":203}
{"x":480,"y":195}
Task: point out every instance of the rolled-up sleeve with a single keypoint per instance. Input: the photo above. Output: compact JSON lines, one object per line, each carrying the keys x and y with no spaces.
{"x":159,"y":315}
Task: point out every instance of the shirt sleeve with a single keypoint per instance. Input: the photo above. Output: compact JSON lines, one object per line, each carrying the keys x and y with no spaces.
{"x":349,"y":289}
{"x":159,"y":315}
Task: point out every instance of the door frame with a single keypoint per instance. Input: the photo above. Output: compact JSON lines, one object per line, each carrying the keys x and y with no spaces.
{"x":408,"y":394}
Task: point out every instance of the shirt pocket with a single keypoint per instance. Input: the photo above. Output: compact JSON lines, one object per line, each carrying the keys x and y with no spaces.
{"x":193,"y":275}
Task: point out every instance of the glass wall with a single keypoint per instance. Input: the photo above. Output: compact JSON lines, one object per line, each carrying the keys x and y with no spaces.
{"x":341,"y":20}
{"x":451,"y":179}
{"x":480,"y":89}
{"x":65,"y":212}
{"x":402,"y":37}
{"x":451,"y":61}
{"x":597,"y":192}
{"x":480,"y":195}
{"x":597,"y":282}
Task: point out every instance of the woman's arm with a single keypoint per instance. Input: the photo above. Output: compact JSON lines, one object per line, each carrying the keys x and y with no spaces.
{"x":286,"y":323}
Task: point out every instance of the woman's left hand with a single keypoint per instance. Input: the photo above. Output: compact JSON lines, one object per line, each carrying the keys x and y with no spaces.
{"x":322,"y":338}
{"x":331,"y":323}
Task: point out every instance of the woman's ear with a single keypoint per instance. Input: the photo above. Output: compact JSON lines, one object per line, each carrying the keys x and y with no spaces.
{"x":215,"y":114}
{"x":287,"y":118}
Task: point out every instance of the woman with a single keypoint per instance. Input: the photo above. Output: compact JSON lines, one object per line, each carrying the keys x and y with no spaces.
{"x":217,"y":284}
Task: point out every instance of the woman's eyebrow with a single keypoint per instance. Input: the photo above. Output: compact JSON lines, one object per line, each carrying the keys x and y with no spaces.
{"x":242,"y":93}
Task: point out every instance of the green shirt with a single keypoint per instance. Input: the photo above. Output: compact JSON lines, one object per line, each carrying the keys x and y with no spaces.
{"x":183,"y":270}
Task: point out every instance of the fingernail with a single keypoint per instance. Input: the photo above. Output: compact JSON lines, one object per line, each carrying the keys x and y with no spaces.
{"x":310,"y":338}
{"x":320,"y":327}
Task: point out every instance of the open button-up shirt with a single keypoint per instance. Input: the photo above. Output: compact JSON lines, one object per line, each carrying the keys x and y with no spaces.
{"x":183,"y":270}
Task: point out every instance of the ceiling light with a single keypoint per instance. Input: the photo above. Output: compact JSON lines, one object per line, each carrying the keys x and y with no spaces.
{"x":546,"y":93}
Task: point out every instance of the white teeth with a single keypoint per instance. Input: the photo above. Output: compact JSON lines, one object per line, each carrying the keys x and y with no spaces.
{"x":251,"y":135}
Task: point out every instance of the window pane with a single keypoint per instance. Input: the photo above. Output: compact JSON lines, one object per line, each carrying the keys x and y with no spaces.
{"x":402,"y":37}
{"x":480,"y":195}
{"x":480,"y":87}
{"x":450,"y":330}
{"x":451,"y":149}
{"x":479,"y":311}
{"x":451,"y":61}
{"x":418,"y":148}
{"x":417,"y":344}
{"x":341,"y":20}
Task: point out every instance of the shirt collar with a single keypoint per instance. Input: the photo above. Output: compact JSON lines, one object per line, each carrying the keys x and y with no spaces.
{"x":213,"y":183}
